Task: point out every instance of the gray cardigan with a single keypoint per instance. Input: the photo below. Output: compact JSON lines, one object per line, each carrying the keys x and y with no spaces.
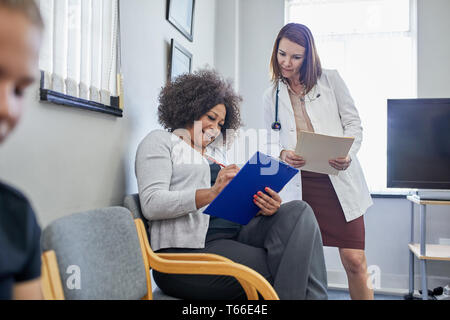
{"x":169,"y":172}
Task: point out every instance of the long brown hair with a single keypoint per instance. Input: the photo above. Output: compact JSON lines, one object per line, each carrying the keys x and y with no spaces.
{"x":311,"y":69}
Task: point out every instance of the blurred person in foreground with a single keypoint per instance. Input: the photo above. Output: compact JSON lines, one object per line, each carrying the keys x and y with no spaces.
{"x":20,"y":37}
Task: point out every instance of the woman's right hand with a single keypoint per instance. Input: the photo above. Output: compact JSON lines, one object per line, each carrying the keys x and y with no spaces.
{"x":206,"y":196}
{"x":292,"y":159}
{"x":224,"y":177}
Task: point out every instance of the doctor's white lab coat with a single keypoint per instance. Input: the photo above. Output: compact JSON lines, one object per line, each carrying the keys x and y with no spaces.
{"x":332,"y":113}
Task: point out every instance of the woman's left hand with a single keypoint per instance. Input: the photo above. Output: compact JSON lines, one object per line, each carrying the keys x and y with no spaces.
{"x":341,"y":163}
{"x":269,"y":204}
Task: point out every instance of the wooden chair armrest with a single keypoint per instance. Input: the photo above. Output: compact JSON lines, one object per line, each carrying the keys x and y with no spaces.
{"x":249,"y":290}
{"x":193,"y":257}
{"x":236,"y":270}
{"x":51,"y":280}
{"x":250,"y":280}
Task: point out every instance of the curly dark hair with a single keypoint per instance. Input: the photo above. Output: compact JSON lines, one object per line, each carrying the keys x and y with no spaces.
{"x":190,"y":96}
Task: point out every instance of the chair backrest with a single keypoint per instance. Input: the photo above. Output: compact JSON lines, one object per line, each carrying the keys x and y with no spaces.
{"x":132,"y":203}
{"x":99,"y":254}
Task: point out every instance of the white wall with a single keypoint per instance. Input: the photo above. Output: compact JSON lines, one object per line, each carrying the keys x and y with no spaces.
{"x":227,"y":40}
{"x":434,"y":48}
{"x":251,"y":34}
{"x":388,"y":220}
{"x":68,"y":160}
{"x":261,"y":20}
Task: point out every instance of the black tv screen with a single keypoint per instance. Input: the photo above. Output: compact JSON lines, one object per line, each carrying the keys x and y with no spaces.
{"x":418,"y":143}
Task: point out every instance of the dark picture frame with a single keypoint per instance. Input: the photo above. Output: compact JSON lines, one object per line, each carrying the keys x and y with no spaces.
{"x":180,"y":13}
{"x":180,"y":61}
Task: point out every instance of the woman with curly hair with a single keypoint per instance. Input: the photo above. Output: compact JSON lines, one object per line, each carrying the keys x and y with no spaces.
{"x":176,"y":181}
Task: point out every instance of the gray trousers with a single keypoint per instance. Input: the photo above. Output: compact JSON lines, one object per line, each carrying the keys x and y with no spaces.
{"x":286,"y":248}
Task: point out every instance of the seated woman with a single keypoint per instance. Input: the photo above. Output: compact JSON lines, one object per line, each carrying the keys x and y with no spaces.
{"x":282,"y":243}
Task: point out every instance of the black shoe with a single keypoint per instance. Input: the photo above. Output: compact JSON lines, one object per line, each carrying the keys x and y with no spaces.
{"x":438,"y":291}
{"x":430,"y":294}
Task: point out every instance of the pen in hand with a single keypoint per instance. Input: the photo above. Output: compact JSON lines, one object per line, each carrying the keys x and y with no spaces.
{"x":215,"y":161}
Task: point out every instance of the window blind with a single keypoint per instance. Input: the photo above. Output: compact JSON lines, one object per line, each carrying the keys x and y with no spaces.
{"x":79,"y":51}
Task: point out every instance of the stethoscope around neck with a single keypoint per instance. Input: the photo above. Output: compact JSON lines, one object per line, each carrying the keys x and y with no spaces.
{"x":276,"y":125}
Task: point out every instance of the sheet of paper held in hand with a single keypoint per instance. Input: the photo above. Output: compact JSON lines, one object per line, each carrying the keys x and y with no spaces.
{"x":318,"y":149}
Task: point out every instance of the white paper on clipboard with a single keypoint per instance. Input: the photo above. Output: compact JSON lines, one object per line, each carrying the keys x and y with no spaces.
{"x":317,"y":149}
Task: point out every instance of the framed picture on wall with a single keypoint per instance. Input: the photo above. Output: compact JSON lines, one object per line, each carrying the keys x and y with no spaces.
{"x":180,"y":13}
{"x":180,"y":60}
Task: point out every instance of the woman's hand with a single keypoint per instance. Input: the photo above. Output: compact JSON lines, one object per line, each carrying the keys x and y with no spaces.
{"x":206,"y":196}
{"x":292,"y":159}
{"x":269,"y":204}
{"x":341,"y":163}
{"x":224,"y":177}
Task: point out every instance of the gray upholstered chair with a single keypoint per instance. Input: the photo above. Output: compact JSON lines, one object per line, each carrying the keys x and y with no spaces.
{"x":132,"y":203}
{"x":105,"y":254}
{"x":251,"y":281}
{"x":94,"y":255}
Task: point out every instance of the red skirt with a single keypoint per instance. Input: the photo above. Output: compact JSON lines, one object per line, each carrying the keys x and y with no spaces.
{"x":319,"y":193}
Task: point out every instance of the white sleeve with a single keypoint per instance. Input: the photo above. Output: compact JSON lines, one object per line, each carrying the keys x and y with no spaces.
{"x":350,"y":119}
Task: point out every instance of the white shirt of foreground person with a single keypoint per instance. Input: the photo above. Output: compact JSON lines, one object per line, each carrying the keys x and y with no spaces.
{"x":332,"y":112}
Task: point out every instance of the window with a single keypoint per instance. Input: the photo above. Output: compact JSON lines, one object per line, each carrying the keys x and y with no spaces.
{"x":80,"y":56}
{"x":372,"y":45}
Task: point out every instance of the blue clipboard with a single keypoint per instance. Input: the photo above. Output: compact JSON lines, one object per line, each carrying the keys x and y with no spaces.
{"x":235,"y":202}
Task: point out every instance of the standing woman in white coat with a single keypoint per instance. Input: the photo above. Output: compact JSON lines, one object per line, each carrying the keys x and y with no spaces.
{"x":306,"y":97}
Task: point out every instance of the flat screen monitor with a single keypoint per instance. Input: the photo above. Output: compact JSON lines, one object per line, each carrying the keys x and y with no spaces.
{"x":418,"y":143}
